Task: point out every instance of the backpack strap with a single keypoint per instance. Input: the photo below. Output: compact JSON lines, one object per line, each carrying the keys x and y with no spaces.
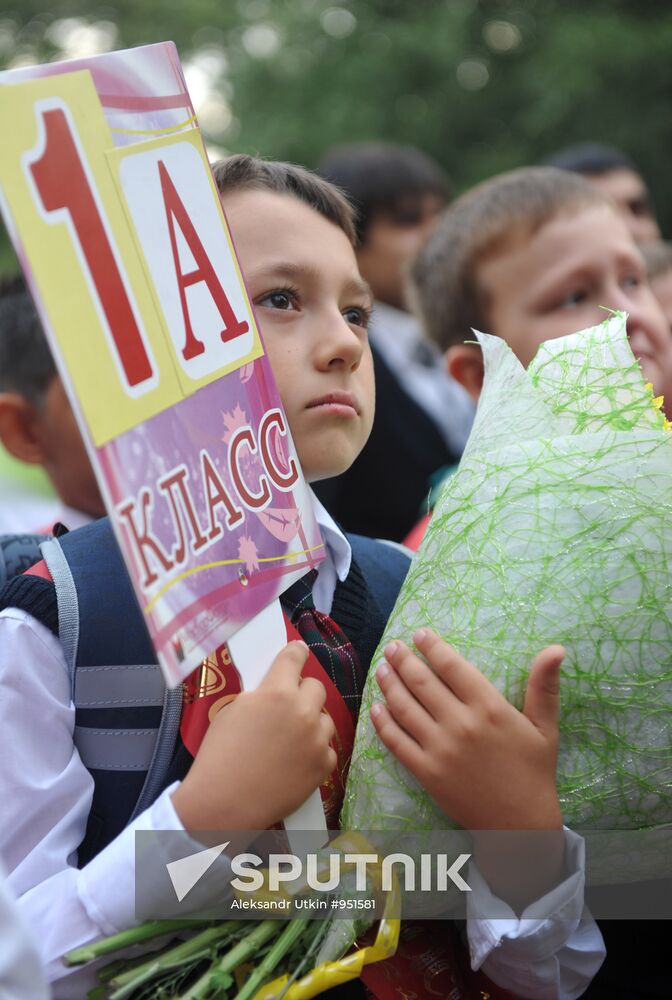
{"x":127,"y":721}
{"x":66,"y":602}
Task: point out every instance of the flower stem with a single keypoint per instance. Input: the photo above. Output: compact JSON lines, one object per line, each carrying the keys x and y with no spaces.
{"x":243,"y":950}
{"x":195,"y":947}
{"x":124,"y":939}
{"x":285,"y":943}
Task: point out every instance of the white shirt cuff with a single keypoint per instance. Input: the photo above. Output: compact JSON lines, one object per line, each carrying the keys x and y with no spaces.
{"x":543,"y":927}
{"x":106,"y":885}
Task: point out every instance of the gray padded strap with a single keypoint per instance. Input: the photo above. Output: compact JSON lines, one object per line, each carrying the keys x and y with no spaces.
{"x":122,"y":686}
{"x":163,"y":750}
{"x":119,"y":686}
{"x":68,"y":606}
{"x":115,"y":749}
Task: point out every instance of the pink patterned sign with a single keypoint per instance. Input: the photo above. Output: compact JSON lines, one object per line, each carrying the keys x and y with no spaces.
{"x":167,"y":375}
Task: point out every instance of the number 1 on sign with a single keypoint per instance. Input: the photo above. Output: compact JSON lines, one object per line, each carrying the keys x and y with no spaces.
{"x":58,"y":174}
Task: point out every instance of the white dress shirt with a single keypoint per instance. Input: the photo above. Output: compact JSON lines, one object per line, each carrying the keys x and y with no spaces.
{"x":46,"y":794}
{"x":418,"y":365}
{"x":21,"y":975}
{"x":21,"y":510}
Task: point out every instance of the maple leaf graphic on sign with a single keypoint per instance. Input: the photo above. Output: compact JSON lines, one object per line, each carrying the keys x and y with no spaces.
{"x":234,"y":420}
{"x":247,"y":552}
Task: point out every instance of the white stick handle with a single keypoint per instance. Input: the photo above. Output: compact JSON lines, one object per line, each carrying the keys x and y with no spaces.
{"x":253,"y":648}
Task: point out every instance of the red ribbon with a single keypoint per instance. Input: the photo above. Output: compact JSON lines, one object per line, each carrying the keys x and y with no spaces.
{"x":431,"y":961}
{"x":216,"y":683}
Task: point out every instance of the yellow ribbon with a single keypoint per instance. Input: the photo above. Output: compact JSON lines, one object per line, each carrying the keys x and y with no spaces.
{"x":344,"y":970}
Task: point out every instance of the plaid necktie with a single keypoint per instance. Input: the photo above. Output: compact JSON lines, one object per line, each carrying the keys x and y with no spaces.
{"x":326,"y":639}
{"x":216,"y":682}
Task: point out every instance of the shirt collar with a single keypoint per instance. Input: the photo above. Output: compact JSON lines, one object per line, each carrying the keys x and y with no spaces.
{"x":337,"y":545}
{"x":391,"y":324}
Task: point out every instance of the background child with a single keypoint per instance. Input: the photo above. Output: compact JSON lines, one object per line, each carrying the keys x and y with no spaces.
{"x":616,"y":175}
{"x":294,"y":238}
{"x":531,"y":255}
{"x":658,"y":260}
{"x":528,"y":256}
{"x":422,"y":417}
{"x":37,"y":425}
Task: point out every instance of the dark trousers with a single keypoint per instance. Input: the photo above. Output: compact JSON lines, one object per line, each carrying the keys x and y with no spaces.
{"x":638,"y":965}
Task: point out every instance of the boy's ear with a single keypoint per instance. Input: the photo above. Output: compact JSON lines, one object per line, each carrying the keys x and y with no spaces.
{"x":19,"y":428}
{"x":465,"y":363}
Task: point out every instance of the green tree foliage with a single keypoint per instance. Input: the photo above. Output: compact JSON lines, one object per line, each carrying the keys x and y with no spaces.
{"x":482,"y":85}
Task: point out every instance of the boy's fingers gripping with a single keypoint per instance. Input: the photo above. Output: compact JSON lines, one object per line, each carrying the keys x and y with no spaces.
{"x":415,"y":676}
{"x":404,"y":706}
{"x":328,"y":726}
{"x":331,"y":762}
{"x":461,"y":677}
{"x":287,"y":665}
{"x":329,"y":757}
{"x":313,"y":692}
{"x":399,"y":743}
{"x":542,"y":696}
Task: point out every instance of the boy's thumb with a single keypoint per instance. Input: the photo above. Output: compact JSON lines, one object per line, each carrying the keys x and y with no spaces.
{"x":288,"y":664}
{"x":542,"y":697}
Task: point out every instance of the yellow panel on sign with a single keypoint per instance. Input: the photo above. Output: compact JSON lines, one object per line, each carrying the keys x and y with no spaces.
{"x":175,"y":213}
{"x":62,"y":200}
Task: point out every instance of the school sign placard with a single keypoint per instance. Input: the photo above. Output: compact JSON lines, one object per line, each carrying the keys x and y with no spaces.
{"x":109,"y":198}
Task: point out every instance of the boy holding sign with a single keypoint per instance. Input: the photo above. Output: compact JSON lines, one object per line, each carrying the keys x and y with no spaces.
{"x":271,"y":747}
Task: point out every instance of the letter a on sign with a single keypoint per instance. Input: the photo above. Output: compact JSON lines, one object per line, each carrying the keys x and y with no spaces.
{"x":204,"y":271}
{"x":177,"y":218}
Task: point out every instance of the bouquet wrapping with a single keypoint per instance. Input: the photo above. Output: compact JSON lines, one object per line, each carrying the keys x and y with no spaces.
{"x":556,"y":528}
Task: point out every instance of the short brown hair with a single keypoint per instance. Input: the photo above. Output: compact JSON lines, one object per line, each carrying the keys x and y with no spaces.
{"x":382,"y":178}
{"x":657,"y":257}
{"x":242,"y":172}
{"x":26,"y":363}
{"x":497,"y":213}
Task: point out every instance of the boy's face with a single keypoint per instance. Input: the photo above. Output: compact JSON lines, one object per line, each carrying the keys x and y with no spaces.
{"x":313,"y":307}
{"x":65,"y":459}
{"x":562,"y":279}
{"x":628,"y":192}
{"x":662,"y":289}
{"x":392,"y":241}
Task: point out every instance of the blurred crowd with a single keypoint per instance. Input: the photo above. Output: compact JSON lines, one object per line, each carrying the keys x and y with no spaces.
{"x":438,"y":268}
{"x":530,"y":255}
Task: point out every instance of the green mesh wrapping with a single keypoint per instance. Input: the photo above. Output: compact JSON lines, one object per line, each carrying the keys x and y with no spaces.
{"x":556,"y":528}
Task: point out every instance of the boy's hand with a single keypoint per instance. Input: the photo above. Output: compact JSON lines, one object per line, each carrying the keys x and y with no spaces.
{"x":486,"y":765}
{"x":263,"y":754}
